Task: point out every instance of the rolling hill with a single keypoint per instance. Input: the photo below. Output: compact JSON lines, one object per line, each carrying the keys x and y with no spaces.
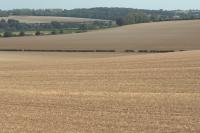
{"x":60,"y":92}
{"x":172,"y":35}
{"x":49,"y":19}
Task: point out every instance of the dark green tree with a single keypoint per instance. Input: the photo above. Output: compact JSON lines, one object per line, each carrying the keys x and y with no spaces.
{"x":83,"y":27}
{"x":61,"y":32}
{"x":37,"y":33}
{"x":121,"y":21}
{"x":54,"y":32}
{"x":7,"y":34}
{"x":22,"y":33}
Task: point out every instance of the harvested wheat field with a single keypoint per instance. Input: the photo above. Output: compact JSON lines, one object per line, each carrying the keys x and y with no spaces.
{"x":174,"y":35}
{"x":49,"y":19}
{"x":87,"y":93}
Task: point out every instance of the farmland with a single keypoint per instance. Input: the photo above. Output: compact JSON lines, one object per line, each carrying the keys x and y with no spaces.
{"x":115,"y":91}
{"x":172,"y":35}
{"x":90,"y":92}
{"x":49,"y":19}
{"x":16,"y":26}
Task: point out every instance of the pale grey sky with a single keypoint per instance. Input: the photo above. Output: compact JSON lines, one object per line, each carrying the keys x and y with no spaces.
{"x":70,"y":4}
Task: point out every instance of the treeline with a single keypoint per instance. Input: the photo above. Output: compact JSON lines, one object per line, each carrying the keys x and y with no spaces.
{"x":70,"y":51}
{"x":98,"y":51}
{"x":121,"y":15}
{"x":23,"y":33}
{"x":150,"y":51}
{"x":15,"y":25}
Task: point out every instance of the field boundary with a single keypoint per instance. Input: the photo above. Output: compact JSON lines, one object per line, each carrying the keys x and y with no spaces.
{"x":89,"y":51}
{"x":71,"y":51}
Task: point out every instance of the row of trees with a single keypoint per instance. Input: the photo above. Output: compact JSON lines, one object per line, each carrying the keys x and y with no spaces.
{"x":14,"y":25}
{"x":22,"y":33}
{"x":10,"y":34}
{"x":141,"y":17}
{"x":133,"y":18}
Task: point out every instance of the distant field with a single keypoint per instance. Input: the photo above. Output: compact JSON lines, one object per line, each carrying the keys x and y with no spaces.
{"x":87,"y":93}
{"x":48,"y":19}
{"x":173,"y":35}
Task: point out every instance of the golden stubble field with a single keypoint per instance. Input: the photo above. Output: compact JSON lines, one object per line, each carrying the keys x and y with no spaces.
{"x":173,"y":35}
{"x":60,"y":92}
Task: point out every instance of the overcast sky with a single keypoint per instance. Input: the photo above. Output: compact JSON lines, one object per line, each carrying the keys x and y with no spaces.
{"x":70,"y":4}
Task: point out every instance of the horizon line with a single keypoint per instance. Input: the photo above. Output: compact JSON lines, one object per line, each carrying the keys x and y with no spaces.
{"x":96,"y":7}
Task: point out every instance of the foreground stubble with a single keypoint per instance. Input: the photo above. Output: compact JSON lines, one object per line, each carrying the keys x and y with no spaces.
{"x":133,"y":93}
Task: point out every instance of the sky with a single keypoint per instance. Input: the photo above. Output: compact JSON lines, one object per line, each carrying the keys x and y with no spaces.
{"x":70,"y":4}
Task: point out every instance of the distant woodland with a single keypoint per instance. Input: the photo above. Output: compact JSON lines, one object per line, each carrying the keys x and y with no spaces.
{"x":129,"y":14}
{"x":121,"y":16}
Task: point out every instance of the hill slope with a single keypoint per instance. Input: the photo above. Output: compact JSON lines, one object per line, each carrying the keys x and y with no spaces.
{"x":141,"y":93}
{"x":174,"y":35}
{"x":48,"y":19}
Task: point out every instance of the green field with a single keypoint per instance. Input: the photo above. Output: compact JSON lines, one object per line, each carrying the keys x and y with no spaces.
{"x":49,"y":19}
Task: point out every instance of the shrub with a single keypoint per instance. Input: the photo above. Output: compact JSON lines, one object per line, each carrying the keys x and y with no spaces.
{"x":143,"y":51}
{"x":61,"y":31}
{"x":105,"y":50}
{"x":21,"y":33}
{"x":161,"y":51}
{"x":37,"y":33}
{"x":129,"y":51}
{"x":7,"y":34}
{"x":53,"y":33}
